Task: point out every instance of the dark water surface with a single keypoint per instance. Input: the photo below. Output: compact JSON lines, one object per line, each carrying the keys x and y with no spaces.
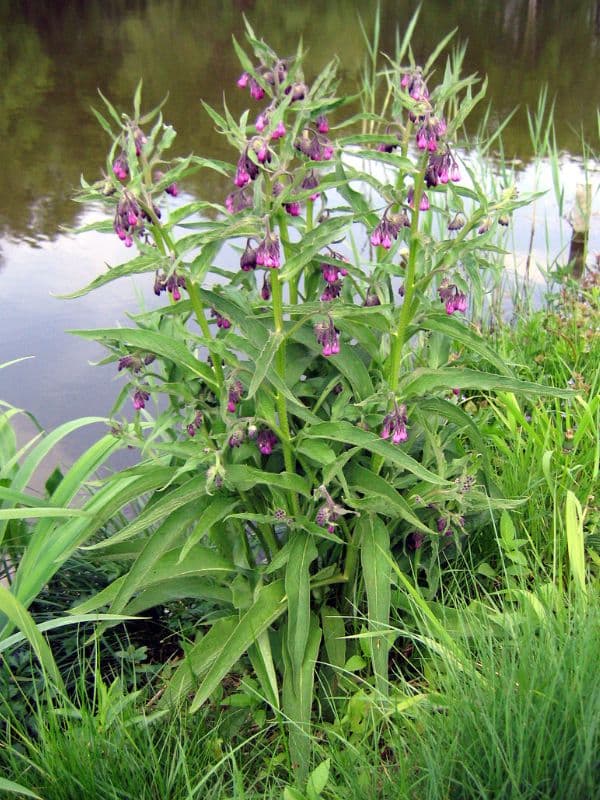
{"x":54,"y":56}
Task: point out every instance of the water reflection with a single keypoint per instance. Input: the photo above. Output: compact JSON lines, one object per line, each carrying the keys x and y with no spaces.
{"x":54,"y":56}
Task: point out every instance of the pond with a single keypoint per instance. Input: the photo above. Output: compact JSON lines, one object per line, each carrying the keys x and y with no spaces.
{"x":55,"y":55}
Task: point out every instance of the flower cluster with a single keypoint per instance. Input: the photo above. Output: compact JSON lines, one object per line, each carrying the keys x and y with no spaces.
{"x":195,"y":424}
{"x":328,"y":514}
{"x":140,"y":398}
{"x":135,"y":363}
{"x":328,"y":337}
{"x":268,"y":253}
{"x":430,"y":131}
{"x":389,"y":227}
{"x":332,"y":275}
{"x":236,"y":391}
{"x":454,"y":299}
{"x":441,"y":169}
{"x":129,"y":219}
{"x":415,"y":85}
{"x":266,"y":441}
{"x":237,"y":201}
{"x":170,"y":283}
{"x":315,"y":145}
{"x":394,"y":425}
{"x":222,"y":322}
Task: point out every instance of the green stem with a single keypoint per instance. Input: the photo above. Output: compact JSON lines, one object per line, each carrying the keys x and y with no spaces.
{"x":285,"y":240}
{"x":165,"y":243}
{"x":277,"y":294}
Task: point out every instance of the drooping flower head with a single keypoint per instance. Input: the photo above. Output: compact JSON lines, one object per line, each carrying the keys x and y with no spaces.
{"x":246,"y":170}
{"x":248,"y":259}
{"x":310,"y":182}
{"x":140,"y":398}
{"x":414,"y":83}
{"x":452,"y":297}
{"x":328,"y":337}
{"x":236,"y":391}
{"x":388,"y":228}
{"x":238,"y":200}
{"x":121,"y":166}
{"x":266,"y":441}
{"x":169,"y":283}
{"x":268,"y":253}
{"x":129,"y":219}
{"x":394,"y":425}
{"x":314,"y":145}
{"x":265,"y":291}
{"x":441,"y":169}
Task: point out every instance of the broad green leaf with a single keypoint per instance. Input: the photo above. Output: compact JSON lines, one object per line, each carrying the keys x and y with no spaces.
{"x":349,"y":434}
{"x":60,"y":622}
{"x":198,"y":660}
{"x":313,"y":241}
{"x":460,"y":418}
{"x":459,"y":330}
{"x":16,"y":788}
{"x":264,"y":361}
{"x":375,"y":560}
{"x":353,"y":369}
{"x":137,"y":266}
{"x":317,"y":780}
{"x":334,"y":633}
{"x":39,"y":512}
{"x":244,"y":478}
{"x":153,"y":342}
{"x":267,"y":607}
{"x":164,"y":503}
{"x":422,"y":381}
{"x":317,"y":451}
{"x":297,"y":588}
{"x":297,"y":697}
{"x":391,"y":502}
{"x":19,"y":617}
{"x":178,"y":589}
{"x":261,"y":657}
{"x":217,"y":509}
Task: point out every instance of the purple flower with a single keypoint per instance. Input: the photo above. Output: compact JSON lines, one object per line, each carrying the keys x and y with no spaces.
{"x":236,"y":438}
{"x":394,"y":425}
{"x":172,"y":284}
{"x":441,"y":168}
{"x":332,"y":290}
{"x":172,"y":189}
{"x":256,"y":90}
{"x":309,"y":182}
{"x":322,"y":124}
{"x":121,"y":167}
{"x":236,"y":390}
{"x":265,"y":291}
{"x":332,"y":273}
{"x":128,"y":219}
{"x":456,"y":223}
{"x":140,"y":398}
{"x":238,"y":201}
{"x":268,"y":254}
{"x":328,"y":337}
{"x":454,"y":299}
{"x":266,"y":441}
{"x":388,"y":228}
{"x":278,"y":131}
{"x":414,"y":540}
{"x":246,"y":170}
{"x":248,"y":259}
{"x":372,"y":299}
{"x":243,"y":80}
{"x":262,"y":121}
{"x":314,"y":145}
{"x":415,"y":85}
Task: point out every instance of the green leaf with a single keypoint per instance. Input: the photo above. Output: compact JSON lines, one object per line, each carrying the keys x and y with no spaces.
{"x":313,"y":241}
{"x":261,"y":658}
{"x":217,"y":509}
{"x":575,"y":544}
{"x":389,"y":501}
{"x":422,"y":381}
{"x":16,"y":788}
{"x":267,"y":607}
{"x":349,"y":434}
{"x":32,"y":513}
{"x":297,"y":697}
{"x":198,"y":660}
{"x":136,"y":266}
{"x":458,"y":330}
{"x":297,"y":588}
{"x":264,"y":361}
{"x":376,"y":566}
{"x":462,"y":420}
{"x":153,"y":342}
{"x":317,"y":780}
{"x":243,"y":478}
{"x":317,"y":451}
{"x":19,"y":617}
{"x":334,"y":633}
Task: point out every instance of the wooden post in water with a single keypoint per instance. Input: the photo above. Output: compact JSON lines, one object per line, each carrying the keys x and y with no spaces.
{"x":579,"y":218}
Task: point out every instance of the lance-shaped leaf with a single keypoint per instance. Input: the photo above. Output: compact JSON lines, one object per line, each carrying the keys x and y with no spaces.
{"x":376,"y":566}
{"x":349,"y":434}
{"x":153,"y":342}
{"x":303,"y":552}
{"x":423,"y":380}
{"x":267,"y":607}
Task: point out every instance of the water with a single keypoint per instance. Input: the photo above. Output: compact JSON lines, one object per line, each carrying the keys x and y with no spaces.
{"x":54,"y":56}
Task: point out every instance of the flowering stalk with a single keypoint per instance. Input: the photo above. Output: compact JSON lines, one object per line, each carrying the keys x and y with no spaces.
{"x":165,"y":243}
{"x":288,"y":457}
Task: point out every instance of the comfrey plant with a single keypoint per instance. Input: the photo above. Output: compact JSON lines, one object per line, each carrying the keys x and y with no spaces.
{"x":306,"y":368}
